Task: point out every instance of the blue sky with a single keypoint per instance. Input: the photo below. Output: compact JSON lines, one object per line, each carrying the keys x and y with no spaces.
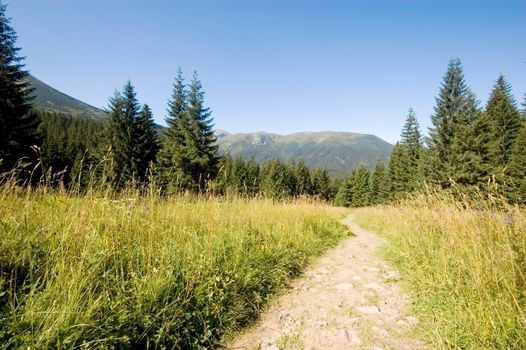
{"x":277,"y":65}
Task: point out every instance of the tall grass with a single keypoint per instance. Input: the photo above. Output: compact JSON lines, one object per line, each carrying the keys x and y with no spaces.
{"x":131,"y":271}
{"x":465,"y":262}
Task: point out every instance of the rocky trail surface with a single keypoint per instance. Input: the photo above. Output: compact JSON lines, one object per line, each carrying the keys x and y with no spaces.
{"x":349,"y":299}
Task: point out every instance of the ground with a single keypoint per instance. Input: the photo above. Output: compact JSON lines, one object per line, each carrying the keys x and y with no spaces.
{"x":348,"y":299}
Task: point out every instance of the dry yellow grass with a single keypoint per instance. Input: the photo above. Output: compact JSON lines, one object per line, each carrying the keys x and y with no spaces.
{"x":465,"y":263}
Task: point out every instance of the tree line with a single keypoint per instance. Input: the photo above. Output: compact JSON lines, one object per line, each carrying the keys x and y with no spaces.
{"x":470,"y":150}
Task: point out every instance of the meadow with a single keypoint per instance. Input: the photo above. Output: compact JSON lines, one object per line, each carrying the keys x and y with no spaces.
{"x":123,"y":271}
{"x":464,"y":262}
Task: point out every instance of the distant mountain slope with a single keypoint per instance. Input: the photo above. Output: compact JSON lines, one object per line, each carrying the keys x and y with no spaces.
{"x":339,"y":152}
{"x":50,"y":99}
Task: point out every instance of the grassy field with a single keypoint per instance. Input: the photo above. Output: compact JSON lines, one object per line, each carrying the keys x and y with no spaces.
{"x":95,"y":272}
{"x":465,"y":264}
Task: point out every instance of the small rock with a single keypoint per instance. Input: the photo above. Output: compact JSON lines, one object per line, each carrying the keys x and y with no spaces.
{"x":372,"y":286}
{"x":369,"y":310}
{"x":411,"y":321}
{"x":270,"y":347}
{"x":343,"y":286}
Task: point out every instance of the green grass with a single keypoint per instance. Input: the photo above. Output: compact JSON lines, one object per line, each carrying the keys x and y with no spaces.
{"x":465,"y":264}
{"x":95,"y":272}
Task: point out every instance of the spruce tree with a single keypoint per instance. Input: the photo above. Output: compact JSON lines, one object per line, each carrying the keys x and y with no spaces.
{"x":505,"y":121}
{"x":516,"y":190}
{"x":411,"y":141}
{"x":274,"y":182}
{"x":321,"y":184}
{"x":18,"y":131}
{"x":344,"y":196}
{"x":449,"y":105}
{"x":398,"y":167}
{"x":360,"y":187}
{"x":378,"y":184}
{"x":303,"y":179}
{"x":147,"y":142}
{"x":470,"y":166}
{"x":173,"y":158}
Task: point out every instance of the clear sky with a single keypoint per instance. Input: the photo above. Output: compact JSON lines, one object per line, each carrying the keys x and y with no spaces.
{"x":277,"y":65}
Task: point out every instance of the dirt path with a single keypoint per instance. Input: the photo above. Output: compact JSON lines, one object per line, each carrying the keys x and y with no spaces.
{"x":349,"y":299}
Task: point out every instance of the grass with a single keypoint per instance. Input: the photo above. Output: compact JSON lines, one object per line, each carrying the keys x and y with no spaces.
{"x":465,"y":263}
{"x":139,"y":272}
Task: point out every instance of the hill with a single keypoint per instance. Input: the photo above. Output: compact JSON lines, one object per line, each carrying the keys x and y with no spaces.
{"x":50,"y":99}
{"x":338,"y":152}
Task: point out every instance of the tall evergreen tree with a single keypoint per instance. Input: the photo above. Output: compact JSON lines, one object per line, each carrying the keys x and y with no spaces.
{"x":303,"y":179}
{"x":360,"y":187}
{"x":18,"y":126}
{"x":274,"y":181}
{"x":449,"y":106}
{"x":516,"y":191}
{"x":411,"y":141}
{"x":344,"y":196}
{"x":147,"y":142}
{"x":321,"y":184}
{"x":398,"y":167}
{"x":378,"y":184}
{"x":470,"y":165}
{"x":505,"y":121}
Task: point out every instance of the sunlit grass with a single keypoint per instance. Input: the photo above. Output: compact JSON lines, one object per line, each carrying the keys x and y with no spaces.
{"x":133,"y":271}
{"x":466,"y":267}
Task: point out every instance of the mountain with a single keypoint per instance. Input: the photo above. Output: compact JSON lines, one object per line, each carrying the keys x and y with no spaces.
{"x":338,"y":152}
{"x":49,"y":99}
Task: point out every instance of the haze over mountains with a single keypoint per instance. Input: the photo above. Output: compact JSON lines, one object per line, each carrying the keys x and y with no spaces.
{"x":338,"y":152}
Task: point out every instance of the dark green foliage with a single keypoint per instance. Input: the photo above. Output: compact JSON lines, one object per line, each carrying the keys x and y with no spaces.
{"x":133,"y":139}
{"x":398,"y":166}
{"x":378,"y":184}
{"x":516,"y":190}
{"x":505,"y":122}
{"x":147,"y":142}
{"x":70,"y":145}
{"x":450,"y":104}
{"x":189,"y":157}
{"x":238,"y":177}
{"x":470,"y":165}
{"x":303,"y":179}
{"x":360,"y":187}
{"x":18,"y":126}
{"x":276,"y":181}
{"x":321,"y":184}
{"x":344,"y":197}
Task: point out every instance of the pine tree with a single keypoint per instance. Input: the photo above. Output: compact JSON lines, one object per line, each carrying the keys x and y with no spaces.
{"x":505,"y":121}
{"x":18,"y":126}
{"x":303,"y":179}
{"x":470,"y":166}
{"x":378,"y":184}
{"x":398,"y":167}
{"x":411,"y":141}
{"x":147,"y":142}
{"x":360,"y":187}
{"x":274,"y":182}
{"x":189,"y":157}
{"x":449,"y":106}
{"x":321,"y":184}
{"x":345,"y":194}
{"x":516,"y":191}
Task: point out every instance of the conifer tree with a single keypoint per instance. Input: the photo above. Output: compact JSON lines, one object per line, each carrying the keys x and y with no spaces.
{"x":360,"y":187}
{"x":505,"y":121}
{"x":147,"y":142}
{"x":344,"y":196}
{"x":274,"y":182}
{"x":470,"y":165}
{"x":18,"y":126}
{"x":303,"y":179}
{"x":378,"y":184}
{"x":516,"y":191}
{"x":449,"y":105}
{"x":321,"y":184}
{"x":411,"y":141}
{"x":398,"y":166}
